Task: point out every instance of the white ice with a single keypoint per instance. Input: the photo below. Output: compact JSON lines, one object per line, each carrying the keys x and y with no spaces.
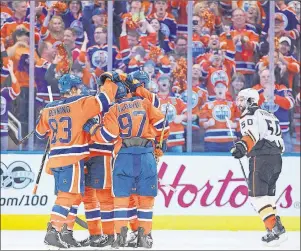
{"x":165,"y":240}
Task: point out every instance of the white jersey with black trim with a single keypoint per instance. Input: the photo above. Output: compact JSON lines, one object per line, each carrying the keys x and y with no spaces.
{"x":261,"y":125}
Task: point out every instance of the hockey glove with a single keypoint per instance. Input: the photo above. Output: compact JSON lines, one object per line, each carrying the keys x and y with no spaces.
{"x":91,"y":126}
{"x":115,"y":77}
{"x":240,"y":150}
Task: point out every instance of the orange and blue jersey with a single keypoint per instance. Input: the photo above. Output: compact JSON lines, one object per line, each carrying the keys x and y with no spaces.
{"x":98,"y":57}
{"x":46,"y":36}
{"x":106,"y":148}
{"x":63,"y":120}
{"x":11,"y":24}
{"x":283,"y":102}
{"x":245,"y":60}
{"x":131,"y":117}
{"x":293,"y":67}
{"x":42,"y":95}
{"x":168,"y":25}
{"x":219,"y":110}
{"x":181,"y":6}
{"x":176,"y":107}
{"x":5,"y":13}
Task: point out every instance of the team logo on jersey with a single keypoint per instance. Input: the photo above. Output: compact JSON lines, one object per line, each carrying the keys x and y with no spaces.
{"x":197,"y":48}
{"x":78,"y":27}
{"x":17,"y":175}
{"x":194,"y":100}
{"x":219,"y":75}
{"x":3,"y":17}
{"x":270,"y":107}
{"x":165,"y":29}
{"x":100,"y":58}
{"x":3,"y":105}
{"x":171,"y":112}
{"x":221,"y":112}
{"x":285,"y":20}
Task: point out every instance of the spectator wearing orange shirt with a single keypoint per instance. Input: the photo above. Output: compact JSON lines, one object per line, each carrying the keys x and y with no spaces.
{"x":246,"y":41}
{"x":278,"y":99}
{"x":52,"y":29}
{"x":213,"y":118}
{"x":17,"y":21}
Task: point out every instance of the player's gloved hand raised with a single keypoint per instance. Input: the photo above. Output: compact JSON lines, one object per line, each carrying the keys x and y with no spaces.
{"x":91,"y":126}
{"x":115,"y":77}
{"x":240,"y":150}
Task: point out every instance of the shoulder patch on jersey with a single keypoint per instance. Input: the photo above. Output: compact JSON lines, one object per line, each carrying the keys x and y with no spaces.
{"x":251,"y":111}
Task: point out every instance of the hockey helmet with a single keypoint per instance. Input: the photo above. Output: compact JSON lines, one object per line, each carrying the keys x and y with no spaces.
{"x":67,"y":81}
{"x":121,"y":91}
{"x":141,"y":76}
{"x":247,"y":97}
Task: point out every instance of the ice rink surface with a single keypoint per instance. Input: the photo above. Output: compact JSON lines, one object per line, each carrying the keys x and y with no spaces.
{"x":164,"y":240}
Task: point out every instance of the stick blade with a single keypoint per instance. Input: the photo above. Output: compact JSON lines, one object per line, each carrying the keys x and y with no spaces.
{"x":13,"y":137}
{"x":82,"y":223}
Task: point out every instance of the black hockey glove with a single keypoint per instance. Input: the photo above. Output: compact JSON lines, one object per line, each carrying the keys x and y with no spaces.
{"x":239,"y":150}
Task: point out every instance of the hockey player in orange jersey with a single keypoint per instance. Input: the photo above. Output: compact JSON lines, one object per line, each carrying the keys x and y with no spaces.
{"x":128,"y":122}
{"x":98,"y":179}
{"x":213,"y":118}
{"x":62,"y":122}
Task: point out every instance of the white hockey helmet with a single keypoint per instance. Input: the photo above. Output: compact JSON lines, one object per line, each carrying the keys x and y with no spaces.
{"x":247,"y":97}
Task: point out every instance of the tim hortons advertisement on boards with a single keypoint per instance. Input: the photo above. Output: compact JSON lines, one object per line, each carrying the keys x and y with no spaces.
{"x":188,"y":185}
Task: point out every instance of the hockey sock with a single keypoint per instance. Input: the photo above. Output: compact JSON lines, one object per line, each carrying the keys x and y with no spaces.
{"x":273,"y":203}
{"x":265,"y":209}
{"x":145,"y":212}
{"x":73,"y":212}
{"x":106,"y":202}
{"x":92,"y":211}
{"x":132,"y":213}
{"x":61,"y":209}
{"x":120,"y":213}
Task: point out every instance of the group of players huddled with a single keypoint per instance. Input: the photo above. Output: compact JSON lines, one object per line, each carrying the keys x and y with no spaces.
{"x":104,"y":151}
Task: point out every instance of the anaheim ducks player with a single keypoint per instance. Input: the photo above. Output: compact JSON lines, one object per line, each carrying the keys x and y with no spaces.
{"x":262,"y":142}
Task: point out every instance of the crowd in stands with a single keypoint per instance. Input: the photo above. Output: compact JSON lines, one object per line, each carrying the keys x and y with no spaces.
{"x":230,"y":52}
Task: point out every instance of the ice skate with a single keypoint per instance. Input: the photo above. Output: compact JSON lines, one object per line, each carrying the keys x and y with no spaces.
{"x":121,"y":238}
{"x":53,"y":238}
{"x":144,"y":241}
{"x":105,"y":240}
{"x":132,"y":239}
{"x":67,"y":237}
{"x":276,"y":236}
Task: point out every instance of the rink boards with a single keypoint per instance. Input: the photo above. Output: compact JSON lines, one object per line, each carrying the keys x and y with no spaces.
{"x":204,"y":192}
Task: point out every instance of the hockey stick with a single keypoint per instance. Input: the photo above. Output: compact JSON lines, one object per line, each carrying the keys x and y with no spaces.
{"x":231,"y":134}
{"x":19,"y":142}
{"x":13,"y":136}
{"x":81,"y":222}
{"x":161,"y":144}
{"x":41,"y":167}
